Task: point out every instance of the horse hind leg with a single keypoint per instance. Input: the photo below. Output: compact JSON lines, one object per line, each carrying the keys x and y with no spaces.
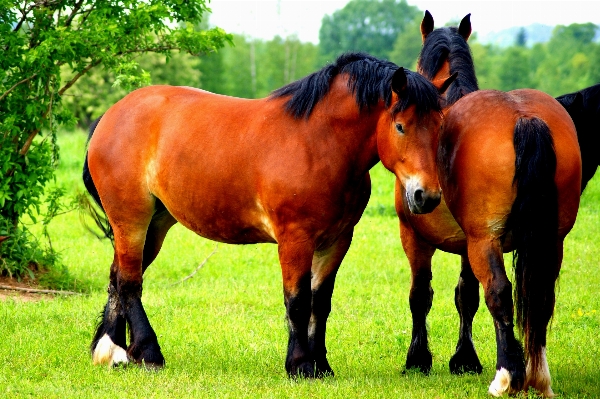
{"x":109,"y":344}
{"x":324,"y":270}
{"x":160,"y":224}
{"x":131,"y":226}
{"x":466,"y":300}
{"x":487,"y":263}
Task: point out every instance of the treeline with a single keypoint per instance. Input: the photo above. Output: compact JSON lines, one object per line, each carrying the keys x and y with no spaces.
{"x":569,"y":61}
{"x":252,"y":68}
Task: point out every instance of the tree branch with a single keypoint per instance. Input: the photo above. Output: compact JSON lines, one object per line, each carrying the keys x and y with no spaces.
{"x":32,"y":135}
{"x":24,"y":13}
{"x":197,"y":268}
{"x":6,"y":93}
{"x":76,"y":77}
{"x":74,"y":12}
{"x":36,"y":291}
{"x":86,"y":14}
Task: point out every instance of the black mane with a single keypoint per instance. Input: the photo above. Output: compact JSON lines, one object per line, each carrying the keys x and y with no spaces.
{"x":447,"y":43}
{"x":370,"y":82}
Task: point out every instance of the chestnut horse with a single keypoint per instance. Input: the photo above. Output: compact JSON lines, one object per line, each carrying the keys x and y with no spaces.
{"x":291,"y":169}
{"x":510,"y":172}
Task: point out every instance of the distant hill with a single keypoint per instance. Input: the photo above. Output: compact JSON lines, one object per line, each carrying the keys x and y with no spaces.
{"x":535,"y":33}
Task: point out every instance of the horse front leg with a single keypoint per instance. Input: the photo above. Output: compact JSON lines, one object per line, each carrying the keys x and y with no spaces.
{"x":325,"y":265}
{"x":466,"y":299}
{"x":485,"y":256}
{"x":419,"y":254}
{"x":295,"y":257}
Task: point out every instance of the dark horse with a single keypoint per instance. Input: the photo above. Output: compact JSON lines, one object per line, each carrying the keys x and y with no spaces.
{"x":291,"y":169}
{"x":584,"y":108}
{"x":510,"y":172}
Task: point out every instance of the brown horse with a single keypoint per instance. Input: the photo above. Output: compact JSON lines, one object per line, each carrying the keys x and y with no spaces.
{"x":510,"y":172}
{"x":290,"y":169}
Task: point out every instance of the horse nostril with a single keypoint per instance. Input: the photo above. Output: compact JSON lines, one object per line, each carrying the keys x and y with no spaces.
{"x":418,"y":197}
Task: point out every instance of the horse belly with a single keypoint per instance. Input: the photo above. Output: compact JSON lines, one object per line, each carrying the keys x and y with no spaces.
{"x":226,"y":224}
{"x":439,"y":229}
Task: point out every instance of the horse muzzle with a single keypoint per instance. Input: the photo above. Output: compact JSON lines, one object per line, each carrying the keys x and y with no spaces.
{"x":421,"y":200}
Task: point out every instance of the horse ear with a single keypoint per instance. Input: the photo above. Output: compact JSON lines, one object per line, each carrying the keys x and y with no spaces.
{"x":399,"y":81}
{"x":426,"y":25}
{"x":464,"y":29}
{"x":444,"y":86}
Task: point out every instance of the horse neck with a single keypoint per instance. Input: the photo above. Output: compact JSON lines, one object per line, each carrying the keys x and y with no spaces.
{"x":355,"y":129}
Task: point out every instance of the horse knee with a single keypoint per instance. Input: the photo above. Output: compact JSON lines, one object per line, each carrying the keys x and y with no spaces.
{"x":421,"y":294}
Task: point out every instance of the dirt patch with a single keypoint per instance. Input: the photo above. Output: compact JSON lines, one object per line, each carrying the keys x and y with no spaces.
{"x":15,"y":290}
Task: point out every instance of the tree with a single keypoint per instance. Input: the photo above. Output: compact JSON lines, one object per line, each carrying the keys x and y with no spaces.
{"x":514,"y":70}
{"x":371,"y":26}
{"x":38,"y":39}
{"x":521,"y":39}
{"x":408,"y":45}
{"x":567,"y":67}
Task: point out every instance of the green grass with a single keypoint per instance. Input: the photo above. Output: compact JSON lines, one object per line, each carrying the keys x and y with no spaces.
{"x":223,"y":332}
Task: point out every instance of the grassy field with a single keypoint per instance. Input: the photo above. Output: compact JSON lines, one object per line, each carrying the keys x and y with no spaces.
{"x":223,"y":333}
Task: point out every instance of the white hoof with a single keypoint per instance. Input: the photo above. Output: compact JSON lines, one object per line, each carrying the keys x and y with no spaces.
{"x":501,"y":383}
{"x":107,"y":352}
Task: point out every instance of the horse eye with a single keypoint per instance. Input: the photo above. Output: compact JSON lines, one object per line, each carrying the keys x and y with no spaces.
{"x":399,"y":128}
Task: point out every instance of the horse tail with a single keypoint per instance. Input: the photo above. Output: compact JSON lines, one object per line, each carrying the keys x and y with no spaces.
{"x":533,"y":223}
{"x":86,"y":207}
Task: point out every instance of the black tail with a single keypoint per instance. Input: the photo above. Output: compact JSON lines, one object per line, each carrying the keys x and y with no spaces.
{"x":534,"y":225}
{"x":85,"y":205}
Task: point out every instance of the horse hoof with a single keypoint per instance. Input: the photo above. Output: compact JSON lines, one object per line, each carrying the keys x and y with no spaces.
{"x":302,"y":370}
{"x":421,"y":362}
{"x":107,"y":352}
{"x":465,"y":361}
{"x":501,"y":383}
{"x":149,"y":356}
{"x":323,"y":369}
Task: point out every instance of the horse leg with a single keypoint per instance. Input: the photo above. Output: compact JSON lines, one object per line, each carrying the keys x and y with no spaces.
{"x":419,"y":254}
{"x":487,"y":263}
{"x":295,"y":257}
{"x":143,"y":347}
{"x":325,"y":265}
{"x":109,"y":343}
{"x":466,"y":299}
{"x":160,"y":224}
{"x":130,"y":221}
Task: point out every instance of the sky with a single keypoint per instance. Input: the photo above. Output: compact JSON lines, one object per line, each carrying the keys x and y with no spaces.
{"x":264,"y":19}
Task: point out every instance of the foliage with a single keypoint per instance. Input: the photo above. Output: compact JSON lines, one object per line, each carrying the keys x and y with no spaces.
{"x":570,"y":61}
{"x":371,"y":26}
{"x":408,"y":45}
{"x":95,"y":92}
{"x":254,"y":68}
{"x":39,"y":39}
